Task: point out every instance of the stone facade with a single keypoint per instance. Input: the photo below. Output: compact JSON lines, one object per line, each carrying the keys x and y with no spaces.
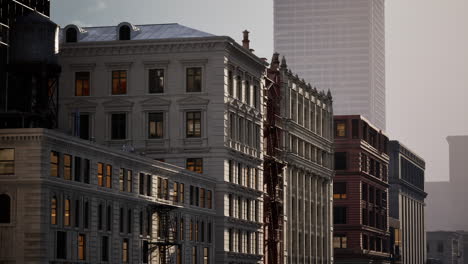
{"x":407,"y":204}
{"x":446,"y":247}
{"x":183,"y":96}
{"x":74,"y":201}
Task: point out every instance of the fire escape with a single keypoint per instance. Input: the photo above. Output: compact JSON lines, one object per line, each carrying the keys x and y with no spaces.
{"x":273,"y":168}
{"x":159,"y":248}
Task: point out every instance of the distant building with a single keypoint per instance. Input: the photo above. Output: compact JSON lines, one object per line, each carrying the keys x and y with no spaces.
{"x":444,"y":195}
{"x":67,"y":200}
{"x":445,"y":247}
{"x":360,"y":191}
{"x":337,"y":45}
{"x":298,"y":169}
{"x":407,"y":201}
{"x":178,"y":95}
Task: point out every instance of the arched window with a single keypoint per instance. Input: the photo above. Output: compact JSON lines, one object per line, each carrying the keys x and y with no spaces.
{"x":71,"y":35}
{"x":5,"y":211}
{"x":124,"y":32}
{"x":53,"y":211}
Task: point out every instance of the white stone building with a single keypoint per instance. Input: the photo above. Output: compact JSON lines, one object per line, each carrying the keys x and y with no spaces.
{"x":178,"y":95}
{"x":337,"y":45}
{"x":68,"y":200}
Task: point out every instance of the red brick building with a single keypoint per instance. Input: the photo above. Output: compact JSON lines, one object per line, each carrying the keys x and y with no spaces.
{"x":360,"y":192}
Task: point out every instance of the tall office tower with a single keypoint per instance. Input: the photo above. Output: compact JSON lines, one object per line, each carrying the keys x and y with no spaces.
{"x":337,"y":45}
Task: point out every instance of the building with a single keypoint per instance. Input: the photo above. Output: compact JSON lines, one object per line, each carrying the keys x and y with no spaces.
{"x":338,"y":45}
{"x":298,"y":169}
{"x":445,"y":194}
{"x":28,"y":73}
{"x":444,"y":247}
{"x":178,"y":95}
{"x":360,"y":191}
{"x":407,"y":204}
{"x":68,"y":200}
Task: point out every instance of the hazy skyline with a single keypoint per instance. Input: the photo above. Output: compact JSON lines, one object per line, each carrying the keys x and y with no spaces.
{"x":426,"y":58}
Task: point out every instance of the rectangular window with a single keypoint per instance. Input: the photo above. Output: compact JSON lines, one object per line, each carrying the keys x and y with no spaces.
{"x":129,"y":221}
{"x":129,"y":180}
{"x":202,"y":197}
{"x":7,"y":161}
{"x":82,"y":83}
{"x":142,"y":183}
{"x":81,"y":125}
{"x":194,"y":79}
{"x":231,"y":171}
{"x":339,"y":190}
{"x":61,"y":245}
{"x":230,"y":84}
{"x":149,"y":185}
{"x":155,"y":125}
{"x":118,"y":126}
{"x":105,"y":248}
{"x":108,"y":176}
{"x":81,"y":247}
{"x":340,"y":128}
{"x":53,"y":211}
{"x":125,"y":251}
{"x":86,"y":215}
{"x":67,"y":212}
{"x":77,"y":169}
{"x":182,"y":229}
{"x":67,"y":167}
{"x":208,"y":199}
{"x":206,"y":255}
{"x":339,"y":215}
{"x":109,"y":218}
{"x":119,"y":82}
{"x":355,"y":128}
{"x":209,"y":234}
{"x":121,"y":220}
{"x":247,"y":92}
{"x":86,"y":171}
{"x":340,"y":241}
{"x":239,"y":87}
{"x":77,"y":213}
{"x":100,"y":174}
{"x":54,"y":164}
{"x":194,"y":255}
{"x":191,"y":231}
{"x":100,"y":216}
{"x":156,"y":80}
{"x":195,"y":164}
{"x":145,"y":252}
{"x":121,"y":180}
{"x":181,"y":193}
{"x":175,"y":192}
{"x":193,"y":124}
{"x":340,"y":161}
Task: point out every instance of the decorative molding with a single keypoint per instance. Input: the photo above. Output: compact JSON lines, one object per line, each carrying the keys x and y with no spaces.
{"x":118,"y":65}
{"x":83,"y":66}
{"x":156,"y":101}
{"x":193,"y":100}
{"x":118,"y":104}
{"x":194,"y":61}
{"x":81,"y":103}
{"x":151,"y":64}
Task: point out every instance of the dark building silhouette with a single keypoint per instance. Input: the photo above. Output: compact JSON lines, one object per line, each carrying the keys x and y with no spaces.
{"x":28,"y":67}
{"x":360,"y":192}
{"x":406,"y":201}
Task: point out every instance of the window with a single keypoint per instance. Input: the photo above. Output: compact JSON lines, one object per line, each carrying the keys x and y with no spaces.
{"x":82,"y":83}
{"x":182,"y":229}
{"x":208,"y":235}
{"x":7,"y":161}
{"x":193,"y":124}
{"x":100,"y":174}
{"x":340,"y":241}
{"x":108,"y":176}
{"x":194,"y":79}
{"x":124,"y":32}
{"x":145,"y":252}
{"x":208,"y":199}
{"x":77,"y":169}
{"x":191,"y":231}
{"x":195,"y":164}
{"x":86,"y":215}
{"x":100,"y":216}
{"x":340,"y":128}
{"x":247,"y":92}
{"x":109,"y":218}
{"x":67,"y":167}
{"x":155,"y":125}
{"x":256,"y":96}
{"x":142,"y":183}
{"x":339,"y":215}
{"x":119,"y":82}
{"x":440,"y":246}
{"x":202,"y":197}
{"x":129,"y":181}
{"x":5,"y":209}
{"x":149,"y":184}
{"x":181,"y":193}
{"x":81,"y":247}
{"x":125,"y":251}
{"x":175,"y":192}
{"x":339,"y":190}
{"x":156,"y":80}
{"x":194,"y":255}
{"x":61,"y":245}
{"x":239,"y":87}
{"x":86,"y":171}
{"x":365,"y":242}
{"x":105,"y":248}
{"x":54,"y":164}
{"x":121,"y":220}
{"x":355,"y":128}
{"x":129,"y":221}
{"x":340,"y":161}
{"x":71,"y":35}
{"x":118,"y":126}
{"x":81,"y":125}
{"x":179,"y":255}
{"x":77,"y":213}
{"x":230,"y":84}
{"x":206,"y":255}
{"x":364,"y":192}
{"x":121,"y":180}
{"x":66,"y":217}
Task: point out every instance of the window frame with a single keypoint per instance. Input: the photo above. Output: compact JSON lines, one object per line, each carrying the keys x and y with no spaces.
{"x":6,"y":216}
{"x":120,"y":90}
{"x":79,"y":78}
{"x":193,"y":132}
{"x":197,"y":164}
{"x":126,"y":129}
{"x":202,"y":70}
{"x":164,"y":80}
{"x":163,"y":126}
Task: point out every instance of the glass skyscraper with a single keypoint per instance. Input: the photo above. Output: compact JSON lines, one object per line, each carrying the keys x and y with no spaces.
{"x":337,"y":45}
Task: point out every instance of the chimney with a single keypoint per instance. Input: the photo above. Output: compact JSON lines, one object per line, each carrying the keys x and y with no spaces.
{"x":246,"y":41}
{"x":275,"y":63}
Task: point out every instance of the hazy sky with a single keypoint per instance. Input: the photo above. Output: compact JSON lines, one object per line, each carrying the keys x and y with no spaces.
{"x":426,"y":55}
